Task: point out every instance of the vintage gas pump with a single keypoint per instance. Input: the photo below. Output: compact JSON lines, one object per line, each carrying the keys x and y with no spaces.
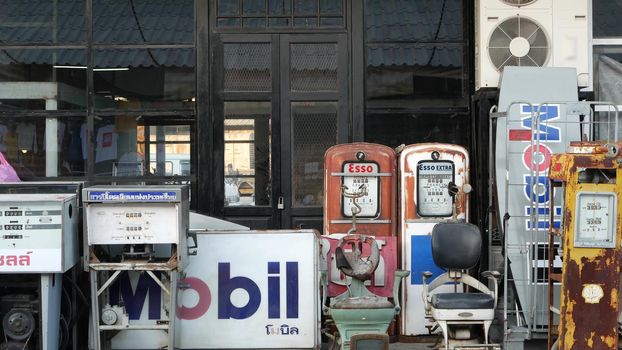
{"x":591,"y":244}
{"x":136,"y":234}
{"x":353,"y":167}
{"x":434,"y":187}
{"x":39,"y":229}
{"x":365,"y":173}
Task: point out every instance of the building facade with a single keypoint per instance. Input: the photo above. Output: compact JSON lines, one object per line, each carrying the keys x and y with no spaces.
{"x":240,"y":98}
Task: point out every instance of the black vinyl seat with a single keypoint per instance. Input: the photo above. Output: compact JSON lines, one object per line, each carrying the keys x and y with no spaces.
{"x":452,"y":301}
{"x":456,"y":248}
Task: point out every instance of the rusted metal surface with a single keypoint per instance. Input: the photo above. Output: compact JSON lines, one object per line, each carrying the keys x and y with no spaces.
{"x":590,"y":276}
{"x":381,"y":224}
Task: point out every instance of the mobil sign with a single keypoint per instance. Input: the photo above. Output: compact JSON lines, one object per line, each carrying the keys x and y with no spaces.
{"x":251,"y":290}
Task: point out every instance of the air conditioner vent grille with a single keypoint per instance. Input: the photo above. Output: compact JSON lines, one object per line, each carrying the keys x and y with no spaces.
{"x":518,"y":41}
{"x":519,"y":2}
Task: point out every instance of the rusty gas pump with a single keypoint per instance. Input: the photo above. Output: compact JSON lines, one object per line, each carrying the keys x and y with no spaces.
{"x":591,"y":245}
{"x":359,"y":194}
{"x":357,"y":166}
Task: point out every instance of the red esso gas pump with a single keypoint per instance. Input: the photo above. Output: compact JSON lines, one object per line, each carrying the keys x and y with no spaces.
{"x":433,"y":187}
{"x":359,"y":182}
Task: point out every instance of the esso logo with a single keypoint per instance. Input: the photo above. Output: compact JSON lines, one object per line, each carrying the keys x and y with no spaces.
{"x":360,"y":168}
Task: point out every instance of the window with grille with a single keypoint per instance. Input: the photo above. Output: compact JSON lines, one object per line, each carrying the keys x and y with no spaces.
{"x":280,"y":13}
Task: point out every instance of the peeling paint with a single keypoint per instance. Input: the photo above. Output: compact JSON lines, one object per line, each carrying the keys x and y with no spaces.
{"x":587,"y":321}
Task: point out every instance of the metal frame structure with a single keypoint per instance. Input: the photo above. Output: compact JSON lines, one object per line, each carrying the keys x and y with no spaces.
{"x":535,"y":322}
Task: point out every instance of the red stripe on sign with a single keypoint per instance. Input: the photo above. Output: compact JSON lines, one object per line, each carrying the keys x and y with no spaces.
{"x":520,"y":135}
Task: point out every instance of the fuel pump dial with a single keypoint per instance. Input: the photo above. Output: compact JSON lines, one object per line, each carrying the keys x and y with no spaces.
{"x":595,"y":225}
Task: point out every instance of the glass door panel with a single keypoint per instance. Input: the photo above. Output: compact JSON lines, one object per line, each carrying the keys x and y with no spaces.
{"x":247,"y":160}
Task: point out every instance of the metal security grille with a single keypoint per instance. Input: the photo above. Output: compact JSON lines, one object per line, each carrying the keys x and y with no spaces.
{"x":314,"y":127}
{"x":280,"y":13}
{"x":313,"y":67}
{"x":247,"y":67}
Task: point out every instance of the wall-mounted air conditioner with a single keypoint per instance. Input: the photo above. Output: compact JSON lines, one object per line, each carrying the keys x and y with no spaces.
{"x":540,"y":33}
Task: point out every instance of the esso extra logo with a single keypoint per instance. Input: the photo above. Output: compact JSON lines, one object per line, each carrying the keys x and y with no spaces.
{"x":360,"y":168}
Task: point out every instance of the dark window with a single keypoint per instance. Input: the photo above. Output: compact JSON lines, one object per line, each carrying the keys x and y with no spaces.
{"x":143,"y":21}
{"x":42,"y":21}
{"x":144,"y":79}
{"x":607,"y":14}
{"x":415,"y":54}
{"x":42,"y":79}
{"x":396,"y":129}
{"x":280,"y":13}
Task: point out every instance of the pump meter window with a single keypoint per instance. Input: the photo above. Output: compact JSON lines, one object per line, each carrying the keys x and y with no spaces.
{"x":433,"y":198}
{"x":596,"y":220}
{"x":369,"y":203}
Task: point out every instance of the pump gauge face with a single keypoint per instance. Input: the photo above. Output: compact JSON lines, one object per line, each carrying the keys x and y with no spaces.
{"x":357,"y":182}
{"x":595,"y":220}
{"x":433,"y":178}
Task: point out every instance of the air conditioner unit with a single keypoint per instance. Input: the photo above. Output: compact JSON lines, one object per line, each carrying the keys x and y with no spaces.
{"x":541,"y":33}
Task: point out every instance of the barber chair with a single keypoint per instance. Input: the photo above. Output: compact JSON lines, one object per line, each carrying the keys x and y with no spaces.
{"x":456,"y":248}
{"x":362,"y":318}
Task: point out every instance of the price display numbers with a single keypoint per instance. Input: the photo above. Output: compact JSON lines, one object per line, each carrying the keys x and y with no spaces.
{"x":433,"y":197}
{"x":595,"y":220}
{"x":369,"y":203}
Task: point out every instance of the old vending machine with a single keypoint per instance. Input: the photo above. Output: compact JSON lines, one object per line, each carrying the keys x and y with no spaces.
{"x":135,"y":236}
{"x":39,"y":243}
{"x":433,"y":187}
{"x":590,"y":285}
{"x":359,"y":187}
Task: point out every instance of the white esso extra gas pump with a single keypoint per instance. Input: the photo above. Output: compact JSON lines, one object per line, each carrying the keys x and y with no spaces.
{"x":433,"y":187}
{"x":39,"y":231}
{"x":135,"y":244}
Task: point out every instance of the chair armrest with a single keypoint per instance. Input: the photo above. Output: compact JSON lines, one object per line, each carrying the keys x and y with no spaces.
{"x":493,"y":275}
{"x":425,"y":275}
{"x":399,"y":274}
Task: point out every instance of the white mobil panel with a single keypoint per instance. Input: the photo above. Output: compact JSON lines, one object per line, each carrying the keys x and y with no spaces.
{"x":148,"y":223}
{"x":251,"y":290}
{"x":38,"y":233}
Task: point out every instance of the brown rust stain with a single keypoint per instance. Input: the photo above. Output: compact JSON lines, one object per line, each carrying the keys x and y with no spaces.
{"x":599,"y":318}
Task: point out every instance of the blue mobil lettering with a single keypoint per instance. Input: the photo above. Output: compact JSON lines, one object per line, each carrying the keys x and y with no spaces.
{"x":133,"y":196}
{"x":227,"y":284}
{"x":146,"y":292}
{"x":536,"y":188}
